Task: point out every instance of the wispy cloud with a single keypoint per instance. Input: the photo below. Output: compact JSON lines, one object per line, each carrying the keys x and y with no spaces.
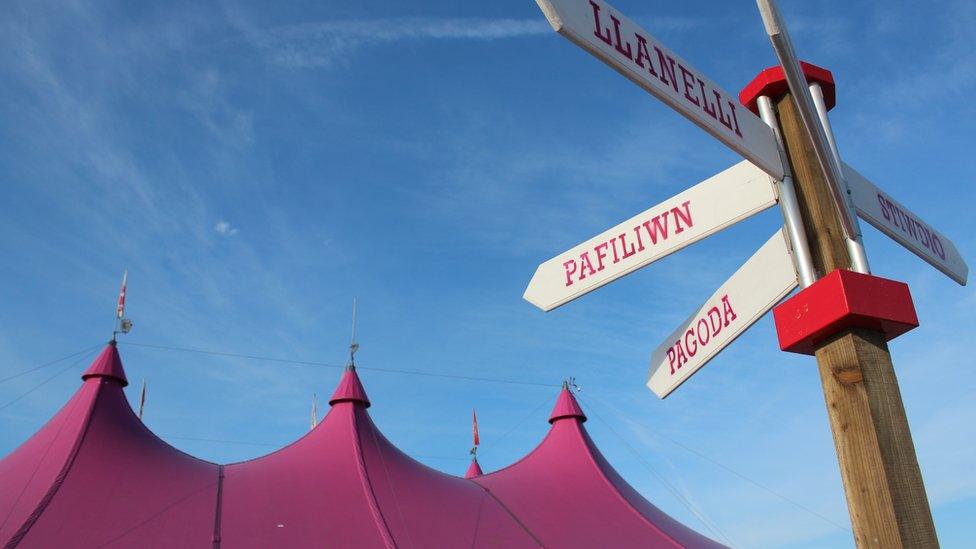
{"x":325,"y":44}
{"x":224,"y":228}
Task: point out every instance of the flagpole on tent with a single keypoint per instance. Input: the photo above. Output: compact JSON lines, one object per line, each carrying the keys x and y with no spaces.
{"x":122,"y":325}
{"x":353,"y":345}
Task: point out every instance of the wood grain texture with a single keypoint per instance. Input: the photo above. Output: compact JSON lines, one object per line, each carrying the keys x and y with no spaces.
{"x":882,"y":481}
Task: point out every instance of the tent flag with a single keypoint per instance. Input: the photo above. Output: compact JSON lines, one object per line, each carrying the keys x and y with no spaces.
{"x":315,"y":412}
{"x":474,"y":418}
{"x":120,"y":310}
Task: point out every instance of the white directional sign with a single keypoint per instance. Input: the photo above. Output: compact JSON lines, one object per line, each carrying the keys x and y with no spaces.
{"x":603,"y":31}
{"x":906,"y":228}
{"x":753,"y":290}
{"x":708,"y":207}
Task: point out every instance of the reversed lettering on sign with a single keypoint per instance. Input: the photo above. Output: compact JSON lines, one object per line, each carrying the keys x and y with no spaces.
{"x":890,"y":217}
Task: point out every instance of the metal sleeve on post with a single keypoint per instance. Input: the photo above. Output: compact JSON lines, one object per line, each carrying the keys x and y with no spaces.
{"x":855,"y":244}
{"x":788,"y":204}
{"x":815,"y":132}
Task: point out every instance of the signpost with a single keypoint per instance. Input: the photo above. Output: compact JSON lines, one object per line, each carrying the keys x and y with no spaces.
{"x":619,"y":42}
{"x":765,"y":279}
{"x":710,"y":206}
{"x":906,"y":228}
{"x":845,"y":318}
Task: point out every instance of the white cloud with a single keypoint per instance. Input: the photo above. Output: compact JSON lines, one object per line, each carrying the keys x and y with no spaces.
{"x":224,"y":228}
{"x":326,"y":43}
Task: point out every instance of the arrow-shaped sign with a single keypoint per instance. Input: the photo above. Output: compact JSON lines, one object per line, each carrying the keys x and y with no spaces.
{"x":752,"y":291}
{"x":890,"y":217}
{"x":708,"y":207}
{"x":616,"y":40}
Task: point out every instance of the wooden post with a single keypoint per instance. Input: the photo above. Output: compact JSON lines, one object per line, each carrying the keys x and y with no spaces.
{"x":882,"y":481}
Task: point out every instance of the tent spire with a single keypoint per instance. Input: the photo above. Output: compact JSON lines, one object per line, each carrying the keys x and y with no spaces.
{"x":107,"y":365}
{"x":566,"y":405}
{"x":474,"y":470}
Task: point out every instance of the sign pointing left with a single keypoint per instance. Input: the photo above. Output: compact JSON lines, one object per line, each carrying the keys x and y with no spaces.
{"x":765,"y":279}
{"x":708,"y":207}
{"x":619,"y":42}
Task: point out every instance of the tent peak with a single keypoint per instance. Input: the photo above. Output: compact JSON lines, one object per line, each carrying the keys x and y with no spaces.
{"x":474,"y":470}
{"x":108,"y":364}
{"x":566,"y":407}
{"x":350,"y":389}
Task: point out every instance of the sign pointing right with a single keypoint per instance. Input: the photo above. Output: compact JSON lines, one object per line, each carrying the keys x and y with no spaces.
{"x":904,"y":227}
{"x":611,"y":37}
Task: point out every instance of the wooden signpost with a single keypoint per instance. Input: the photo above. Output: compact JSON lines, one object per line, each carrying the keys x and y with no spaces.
{"x":843,"y":315}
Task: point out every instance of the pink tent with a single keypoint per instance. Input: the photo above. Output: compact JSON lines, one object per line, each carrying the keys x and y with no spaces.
{"x":95,"y":476}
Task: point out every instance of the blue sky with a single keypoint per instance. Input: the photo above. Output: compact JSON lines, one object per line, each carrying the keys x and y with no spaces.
{"x":256,"y":166}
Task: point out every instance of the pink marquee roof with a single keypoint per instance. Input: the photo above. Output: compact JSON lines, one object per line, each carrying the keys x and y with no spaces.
{"x":95,"y":476}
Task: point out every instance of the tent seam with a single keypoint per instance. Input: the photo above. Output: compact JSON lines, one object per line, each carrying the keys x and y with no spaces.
{"x":59,"y":480}
{"x":590,"y":447}
{"x":509,"y":511}
{"x":374,"y":507}
{"x":218,"y":510}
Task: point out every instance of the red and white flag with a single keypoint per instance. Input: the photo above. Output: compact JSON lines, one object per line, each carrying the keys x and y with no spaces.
{"x":474,"y":418}
{"x":120,"y":311}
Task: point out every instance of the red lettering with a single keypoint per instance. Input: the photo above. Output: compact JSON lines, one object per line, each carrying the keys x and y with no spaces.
{"x":658,"y":226}
{"x":681,"y":354}
{"x":642,"y":54}
{"x":735,"y":119}
{"x":692,"y":349}
{"x":640,"y":241}
{"x":667,"y":69}
{"x":703,"y":339}
{"x":616,"y":30}
{"x":569,"y":272}
{"x":585,"y":263}
{"x":671,"y":359}
{"x":884,"y":209}
{"x":705,"y":103}
{"x":601,"y":252}
{"x":678,"y":216}
{"x":937,"y":246}
{"x":599,"y":30}
{"x":728,"y":315}
{"x":623,"y":246}
{"x":688,"y":85}
{"x":726,"y":121}
{"x":715,"y":321}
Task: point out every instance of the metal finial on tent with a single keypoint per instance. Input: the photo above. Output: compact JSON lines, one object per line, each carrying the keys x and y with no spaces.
{"x":353,"y":345}
{"x":571,"y":382}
